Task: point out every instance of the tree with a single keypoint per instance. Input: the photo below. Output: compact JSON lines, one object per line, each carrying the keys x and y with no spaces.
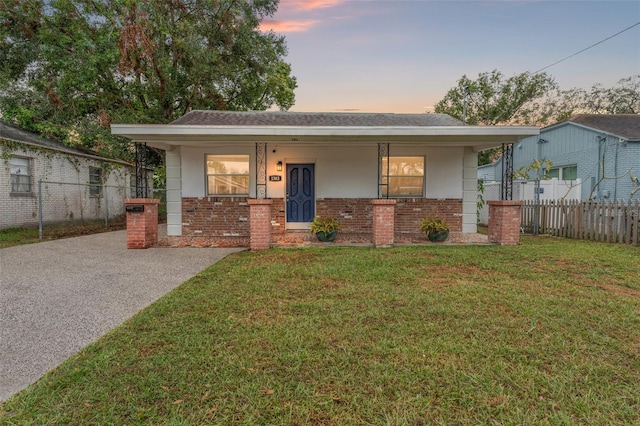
{"x":69,"y":68}
{"x":622,"y":98}
{"x":533,"y":99}
{"x":492,"y":99}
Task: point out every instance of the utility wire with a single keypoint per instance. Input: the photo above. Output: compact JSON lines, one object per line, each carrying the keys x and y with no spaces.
{"x":587,"y":48}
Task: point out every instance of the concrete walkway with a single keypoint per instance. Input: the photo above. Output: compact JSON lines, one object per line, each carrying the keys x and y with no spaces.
{"x":58,"y":296}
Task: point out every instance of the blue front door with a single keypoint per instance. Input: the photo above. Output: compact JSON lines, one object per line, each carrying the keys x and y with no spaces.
{"x":301,"y":198}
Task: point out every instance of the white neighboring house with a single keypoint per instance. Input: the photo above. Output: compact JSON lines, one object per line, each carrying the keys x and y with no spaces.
{"x":77,"y":183}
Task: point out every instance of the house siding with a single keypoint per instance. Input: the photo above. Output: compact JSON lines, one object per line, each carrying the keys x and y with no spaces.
{"x":346,"y":180}
{"x":340,"y":172}
{"x":570,"y":144}
{"x":60,"y":202}
{"x":487,"y":172}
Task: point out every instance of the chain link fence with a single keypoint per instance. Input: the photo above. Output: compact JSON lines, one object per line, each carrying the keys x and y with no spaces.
{"x":63,"y":203}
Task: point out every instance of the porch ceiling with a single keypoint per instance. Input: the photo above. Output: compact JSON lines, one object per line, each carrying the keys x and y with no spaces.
{"x":168,"y":136}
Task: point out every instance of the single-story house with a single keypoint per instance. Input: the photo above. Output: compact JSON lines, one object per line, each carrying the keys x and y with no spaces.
{"x":76,"y":183}
{"x":602,"y":151}
{"x":221,"y":164}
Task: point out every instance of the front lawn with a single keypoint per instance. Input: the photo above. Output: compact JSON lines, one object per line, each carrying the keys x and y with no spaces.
{"x":544,"y":333}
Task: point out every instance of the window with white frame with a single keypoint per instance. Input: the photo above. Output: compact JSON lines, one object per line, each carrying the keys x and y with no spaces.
{"x":564,"y":173}
{"x":228,"y":175}
{"x":20,"y":175}
{"x":95,"y":181}
{"x":403,"y":176}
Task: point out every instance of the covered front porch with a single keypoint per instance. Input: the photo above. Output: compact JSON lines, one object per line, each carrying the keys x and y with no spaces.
{"x":258,"y":178}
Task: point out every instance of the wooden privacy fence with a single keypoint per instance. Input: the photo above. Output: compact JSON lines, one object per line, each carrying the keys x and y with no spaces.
{"x":607,"y":221}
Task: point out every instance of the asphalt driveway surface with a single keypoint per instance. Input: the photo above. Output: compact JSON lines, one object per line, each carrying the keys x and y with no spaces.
{"x":58,"y":296}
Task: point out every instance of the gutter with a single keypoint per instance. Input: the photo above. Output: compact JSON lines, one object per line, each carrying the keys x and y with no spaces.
{"x":69,"y":151}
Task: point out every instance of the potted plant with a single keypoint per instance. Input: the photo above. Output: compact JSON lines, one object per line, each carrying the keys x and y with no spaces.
{"x":325,"y":227}
{"x":436,"y":229}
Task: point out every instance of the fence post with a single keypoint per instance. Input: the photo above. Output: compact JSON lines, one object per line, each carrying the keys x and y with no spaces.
{"x":636,"y":222}
{"x":106,"y":207}
{"x":536,"y":208}
{"x":40,"y":209}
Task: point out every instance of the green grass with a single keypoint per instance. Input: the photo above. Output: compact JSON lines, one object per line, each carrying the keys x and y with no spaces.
{"x":17,"y":236}
{"x":544,"y":333}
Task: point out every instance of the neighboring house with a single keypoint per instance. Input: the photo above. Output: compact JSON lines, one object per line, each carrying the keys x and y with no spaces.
{"x":490,"y":172}
{"x":309,"y":164}
{"x":602,"y":151}
{"x":77,"y":184}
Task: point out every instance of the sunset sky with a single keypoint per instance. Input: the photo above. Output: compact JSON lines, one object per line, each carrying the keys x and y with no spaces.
{"x":404,"y":55}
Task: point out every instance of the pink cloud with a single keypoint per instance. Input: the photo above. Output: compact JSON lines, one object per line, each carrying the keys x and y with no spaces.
{"x":287,"y":26}
{"x":291,"y":14}
{"x":308,"y":4}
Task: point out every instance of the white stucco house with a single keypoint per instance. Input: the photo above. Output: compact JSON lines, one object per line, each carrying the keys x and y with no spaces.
{"x":76,"y":183}
{"x":309,"y":164}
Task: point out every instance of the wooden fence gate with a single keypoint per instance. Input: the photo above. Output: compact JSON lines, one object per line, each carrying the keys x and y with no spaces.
{"x":606,"y":221}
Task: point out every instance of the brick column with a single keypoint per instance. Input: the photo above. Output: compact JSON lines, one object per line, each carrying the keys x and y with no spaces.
{"x":142,"y":222}
{"x":260,"y":223}
{"x":504,"y":222}
{"x":383,"y":222}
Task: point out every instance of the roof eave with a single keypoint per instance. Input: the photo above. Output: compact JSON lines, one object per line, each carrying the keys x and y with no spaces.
{"x":68,"y":151}
{"x":173,"y":135}
{"x":590,"y":128}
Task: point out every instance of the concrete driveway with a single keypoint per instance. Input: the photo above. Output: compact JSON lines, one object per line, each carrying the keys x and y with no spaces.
{"x":58,"y":296}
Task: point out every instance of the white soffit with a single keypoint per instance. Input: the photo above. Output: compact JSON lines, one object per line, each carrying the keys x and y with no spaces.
{"x":167,"y":135}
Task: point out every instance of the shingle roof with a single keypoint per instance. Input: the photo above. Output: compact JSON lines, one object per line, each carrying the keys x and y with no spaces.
{"x":13,"y":133}
{"x":625,"y":125}
{"x":314,"y":119}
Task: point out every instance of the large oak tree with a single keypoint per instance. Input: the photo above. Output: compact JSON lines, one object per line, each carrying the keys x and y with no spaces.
{"x":493,"y":99}
{"x":621,"y":98}
{"x":69,"y":68}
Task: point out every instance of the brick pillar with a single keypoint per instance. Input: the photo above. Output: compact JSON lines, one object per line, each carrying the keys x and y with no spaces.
{"x":260,"y":223}
{"x":383,"y":222}
{"x":142,"y":222}
{"x":504,"y":222}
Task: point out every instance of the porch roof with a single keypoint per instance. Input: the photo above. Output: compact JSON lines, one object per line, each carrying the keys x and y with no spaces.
{"x":201,"y":128}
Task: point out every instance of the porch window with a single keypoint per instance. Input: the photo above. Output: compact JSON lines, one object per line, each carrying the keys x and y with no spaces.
{"x":403,"y":176}
{"x":227,"y":175}
{"x":20,"y":175}
{"x":564,"y":173}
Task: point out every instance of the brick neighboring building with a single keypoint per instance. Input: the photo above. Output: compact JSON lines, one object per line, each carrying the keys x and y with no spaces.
{"x":91,"y":182}
{"x":379,"y":175}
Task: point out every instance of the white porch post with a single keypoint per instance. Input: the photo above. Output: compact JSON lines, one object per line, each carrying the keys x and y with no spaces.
{"x":469,"y":191}
{"x":174,"y":192}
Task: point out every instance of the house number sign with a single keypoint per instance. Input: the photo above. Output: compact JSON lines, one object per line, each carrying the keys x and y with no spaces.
{"x":275,"y":178}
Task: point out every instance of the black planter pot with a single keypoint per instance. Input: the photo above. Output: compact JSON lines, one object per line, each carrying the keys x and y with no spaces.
{"x":327,"y":236}
{"x":438,"y":236}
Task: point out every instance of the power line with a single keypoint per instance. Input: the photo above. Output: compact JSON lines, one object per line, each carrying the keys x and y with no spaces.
{"x":587,"y":48}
